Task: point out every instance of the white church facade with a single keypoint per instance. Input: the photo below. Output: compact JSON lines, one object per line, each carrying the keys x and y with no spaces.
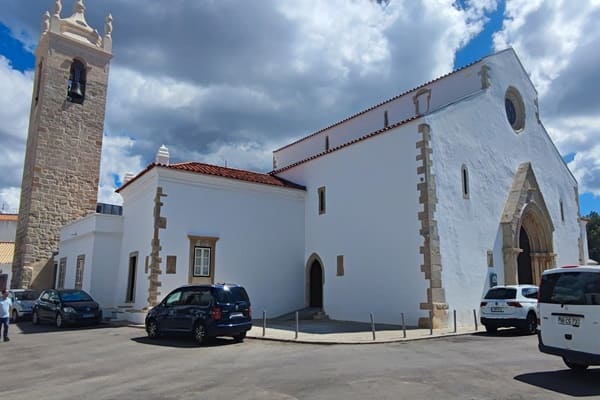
{"x":416,"y":206}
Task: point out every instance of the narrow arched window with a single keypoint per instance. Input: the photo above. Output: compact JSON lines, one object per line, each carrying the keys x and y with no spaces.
{"x":326,"y":143}
{"x":465,"y":181}
{"x":386,"y":121}
{"x":77,"y":80}
{"x":38,"y":81}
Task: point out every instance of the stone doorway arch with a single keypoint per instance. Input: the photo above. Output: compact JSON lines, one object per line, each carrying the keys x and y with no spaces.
{"x":315,"y":280}
{"x":527,"y":231}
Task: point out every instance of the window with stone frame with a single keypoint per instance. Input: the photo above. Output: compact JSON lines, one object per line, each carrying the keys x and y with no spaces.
{"x":79,"y":271}
{"x":202,"y":259}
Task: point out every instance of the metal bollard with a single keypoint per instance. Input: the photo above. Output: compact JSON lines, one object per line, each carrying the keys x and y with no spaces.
{"x":431,"y":322}
{"x":403,"y":325}
{"x":264,"y":322}
{"x":372,"y":325}
{"x":297,"y":324}
{"x":455,"y":329}
{"x":475,"y":319}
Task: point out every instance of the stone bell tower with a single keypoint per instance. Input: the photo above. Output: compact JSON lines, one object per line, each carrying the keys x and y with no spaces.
{"x":62,"y":160}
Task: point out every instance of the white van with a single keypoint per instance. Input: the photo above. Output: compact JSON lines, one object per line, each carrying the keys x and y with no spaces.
{"x":569,"y":312}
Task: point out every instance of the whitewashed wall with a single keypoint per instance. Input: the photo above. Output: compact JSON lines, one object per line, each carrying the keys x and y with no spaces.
{"x":475,"y":132}
{"x":260,"y":230}
{"x":371,"y":219}
{"x":463,"y":83}
{"x":138,"y":226}
{"x":98,"y":238}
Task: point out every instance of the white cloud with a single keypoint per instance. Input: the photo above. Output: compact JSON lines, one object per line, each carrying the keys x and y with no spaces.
{"x":9,"y":200}
{"x":117,"y":160}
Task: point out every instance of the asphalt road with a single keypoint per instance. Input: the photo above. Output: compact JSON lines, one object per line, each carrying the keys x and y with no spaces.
{"x":120,"y":363}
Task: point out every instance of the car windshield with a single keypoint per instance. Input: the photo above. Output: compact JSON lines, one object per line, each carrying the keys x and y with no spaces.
{"x":501,"y":294}
{"x":27,"y":295}
{"x":75,"y":295}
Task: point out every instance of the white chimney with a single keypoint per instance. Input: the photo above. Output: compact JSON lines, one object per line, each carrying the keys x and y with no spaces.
{"x":128,"y":176}
{"x":162,"y":156}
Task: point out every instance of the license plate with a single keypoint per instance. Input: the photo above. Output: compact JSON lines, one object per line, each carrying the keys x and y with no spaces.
{"x":88,"y":315}
{"x":236,"y":315}
{"x":573,"y":321}
{"x":497,"y":309}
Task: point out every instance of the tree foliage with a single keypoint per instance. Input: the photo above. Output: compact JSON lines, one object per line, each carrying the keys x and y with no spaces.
{"x":593,"y":235}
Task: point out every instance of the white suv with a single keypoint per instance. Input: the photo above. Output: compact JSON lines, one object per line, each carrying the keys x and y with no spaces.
{"x":569,"y":307}
{"x":515,"y":305}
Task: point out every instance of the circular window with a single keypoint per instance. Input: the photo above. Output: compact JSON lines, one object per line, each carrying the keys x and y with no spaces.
{"x":515,"y":109}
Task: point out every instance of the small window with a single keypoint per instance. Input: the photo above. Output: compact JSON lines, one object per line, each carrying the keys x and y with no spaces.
{"x":340,"y":266}
{"x":326,"y":143}
{"x":77,"y":82}
{"x":321,"y":194}
{"x":201,"y":261}
{"x":79,"y":272}
{"x":490,"y":258}
{"x":562,"y":212}
{"x":62,"y":270}
{"x":38,"y":81}
{"x":465,"y":181}
{"x":386,"y":121}
{"x":171,"y":264}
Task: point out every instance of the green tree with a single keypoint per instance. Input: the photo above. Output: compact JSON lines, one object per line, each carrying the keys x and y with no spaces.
{"x":593,"y":234}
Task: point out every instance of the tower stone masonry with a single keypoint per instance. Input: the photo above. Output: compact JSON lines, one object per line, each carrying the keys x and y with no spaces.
{"x":64,"y":142}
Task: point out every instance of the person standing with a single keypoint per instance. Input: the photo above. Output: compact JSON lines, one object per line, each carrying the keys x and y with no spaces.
{"x":5,"y":307}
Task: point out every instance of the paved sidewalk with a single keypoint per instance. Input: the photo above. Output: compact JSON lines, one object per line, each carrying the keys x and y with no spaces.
{"x":343,"y":332}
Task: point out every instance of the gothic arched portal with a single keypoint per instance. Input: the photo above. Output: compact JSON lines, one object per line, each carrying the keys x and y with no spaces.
{"x":527,"y":231}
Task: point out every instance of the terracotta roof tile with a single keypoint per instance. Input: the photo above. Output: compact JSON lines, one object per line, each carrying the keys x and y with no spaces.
{"x":223,"y":172}
{"x":7,"y":251}
{"x":360,"y":139}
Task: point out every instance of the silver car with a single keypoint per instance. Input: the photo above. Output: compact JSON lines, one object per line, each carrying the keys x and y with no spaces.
{"x":23,"y":300}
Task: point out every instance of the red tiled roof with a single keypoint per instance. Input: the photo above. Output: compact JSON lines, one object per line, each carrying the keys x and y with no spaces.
{"x":9,"y":217}
{"x":380,"y":104}
{"x":223,"y":172}
{"x":360,"y":139}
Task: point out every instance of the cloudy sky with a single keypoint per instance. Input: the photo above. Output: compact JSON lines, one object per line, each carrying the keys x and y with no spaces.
{"x":228,"y":81}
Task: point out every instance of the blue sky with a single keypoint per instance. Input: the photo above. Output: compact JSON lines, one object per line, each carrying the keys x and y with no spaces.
{"x":243,"y":122}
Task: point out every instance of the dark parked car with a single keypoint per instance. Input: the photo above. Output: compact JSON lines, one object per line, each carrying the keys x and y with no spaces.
{"x":66,"y":306}
{"x":204,"y":311}
{"x":22,"y":300}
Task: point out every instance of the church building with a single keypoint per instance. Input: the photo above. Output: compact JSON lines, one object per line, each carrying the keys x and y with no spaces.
{"x":416,"y":205}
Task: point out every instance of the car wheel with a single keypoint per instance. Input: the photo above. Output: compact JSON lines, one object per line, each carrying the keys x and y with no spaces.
{"x":489,"y":328}
{"x":200,"y":333}
{"x":15,"y":316}
{"x":59,"y":321}
{"x":240,"y":337}
{"x":530,"y":326}
{"x":152,"y":329}
{"x":35,"y":318}
{"x":575,"y":366}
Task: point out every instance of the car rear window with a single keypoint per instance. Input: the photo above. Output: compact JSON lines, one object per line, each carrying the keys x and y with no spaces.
{"x":581,"y":288}
{"x":501,"y":294}
{"x":231,"y":294}
{"x":27,"y":295}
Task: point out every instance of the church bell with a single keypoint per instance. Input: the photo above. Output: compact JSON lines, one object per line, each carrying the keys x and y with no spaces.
{"x":75,"y":91}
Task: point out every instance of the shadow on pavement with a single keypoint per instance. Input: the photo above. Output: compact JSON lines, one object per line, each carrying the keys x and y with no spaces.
{"x":182,"y":342}
{"x":503,"y":332}
{"x":28,"y":327}
{"x":571,"y":383}
{"x":326,"y":326}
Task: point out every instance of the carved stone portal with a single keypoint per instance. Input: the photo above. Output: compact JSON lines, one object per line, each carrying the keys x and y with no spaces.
{"x":525,"y":212}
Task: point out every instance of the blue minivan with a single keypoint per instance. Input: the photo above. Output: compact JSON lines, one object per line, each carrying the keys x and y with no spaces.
{"x":203,"y":311}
